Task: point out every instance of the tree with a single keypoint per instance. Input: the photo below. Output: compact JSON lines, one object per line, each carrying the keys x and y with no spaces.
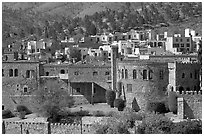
{"x":51,"y":100}
{"x":74,"y":53}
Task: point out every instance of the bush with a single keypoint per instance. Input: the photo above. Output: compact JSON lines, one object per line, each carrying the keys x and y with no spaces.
{"x":111,"y":114}
{"x":135,"y":105}
{"x":120,"y":104}
{"x":7,"y":114}
{"x":157,"y":106}
{"x":20,"y":108}
{"x":98,"y":113}
{"x":188,"y":127}
{"x":110,"y":97}
{"x":155,"y":124}
{"x":129,"y":116}
{"x":113,"y":126}
{"x":52,"y":100}
{"x":172,"y":102}
{"x":80,"y":113}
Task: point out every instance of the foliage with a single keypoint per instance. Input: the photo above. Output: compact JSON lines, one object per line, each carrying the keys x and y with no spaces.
{"x":7,"y":114}
{"x":155,"y":124}
{"x":118,"y":123}
{"x":112,"y":126}
{"x":110,"y":114}
{"x":135,"y":105}
{"x":159,"y":124}
{"x":25,"y":23}
{"x":187,"y":127}
{"x":157,"y":106}
{"x":120,"y":104}
{"x":20,"y":108}
{"x":172,"y":102}
{"x":110,"y":97}
{"x":98,"y":113}
{"x":52,"y":100}
{"x":75,"y":54}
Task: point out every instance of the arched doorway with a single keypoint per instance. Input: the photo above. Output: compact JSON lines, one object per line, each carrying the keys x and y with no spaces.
{"x":181,"y":89}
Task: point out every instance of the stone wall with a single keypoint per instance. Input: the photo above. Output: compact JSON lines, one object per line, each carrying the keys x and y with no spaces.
{"x":14,"y":85}
{"x":192,"y":106}
{"x":56,"y":128}
{"x":139,"y":87}
{"x":187,"y":76}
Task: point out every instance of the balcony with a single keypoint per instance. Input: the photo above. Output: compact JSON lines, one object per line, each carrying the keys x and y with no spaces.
{"x":63,"y":76}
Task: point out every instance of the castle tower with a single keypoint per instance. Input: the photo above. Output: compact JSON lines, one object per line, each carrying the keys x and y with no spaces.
{"x":114,"y":52}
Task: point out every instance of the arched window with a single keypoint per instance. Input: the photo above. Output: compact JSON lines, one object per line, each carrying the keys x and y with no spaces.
{"x":25,"y":89}
{"x":10,"y":72}
{"x":28,"y":74}
{"x":181,"y":89}
{"x":16,"y":72}
{"x":122,"y":73}
{"x":134,"y":74}
{"x":195,"y":88}
{"x":62,"y":71}
{"x":47,"y":73}
{"x":126,"y":73}
{"x":145,"y":74}
{"x":150,"y":74}
{"x":183,"y":75}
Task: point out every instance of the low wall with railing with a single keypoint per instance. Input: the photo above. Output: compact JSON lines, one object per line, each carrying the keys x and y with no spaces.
{"x":43,"y":128}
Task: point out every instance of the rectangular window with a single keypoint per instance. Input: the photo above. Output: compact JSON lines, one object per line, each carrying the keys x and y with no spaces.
{"x":78,"y":90}
{"x":129,"y":88}
{"x":175,"y":45}
{"x":107,"y":73}
{"x":196,"y":74}
{"x":176,"y":40}
{"x":187,"y":40}
{"x":76,"y":73}
{"x":161,"y":74}
{"x":150,"y":74}
{"x":144,"y":74}
{"x":30,"y":74}
{"x":182,"y":45}
{"x":2,"y":72}
{"x":25,"y":89}
{"x":134,"y":74}
{"x":181,"y":40}
{"x":188,"y":45}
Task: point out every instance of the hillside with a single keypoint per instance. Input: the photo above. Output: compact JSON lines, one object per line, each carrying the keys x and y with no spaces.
{"x":73,"y":9}
{"x":57,"y":20}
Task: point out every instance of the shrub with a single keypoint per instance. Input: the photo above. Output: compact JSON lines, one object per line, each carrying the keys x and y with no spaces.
{"x":172,"y":102}
{"x":110,"y":97}
{"x":155,"y":124}
{"x":110,"y":114}
{"x":112,"y":126}
{"x":129,"y":117}
{"x":7,"y":114}
{"x":157,"y":106}
{"x":20,"y":108}
{"x":135,"y":105}
{"x":120,"y":104}
{"x":52,"y":100}
{"x":98,"y":113}
{"x":188,"y":127}
{"x":80,"y":113}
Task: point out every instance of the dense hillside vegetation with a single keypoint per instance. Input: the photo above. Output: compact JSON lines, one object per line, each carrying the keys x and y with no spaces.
{"x":57,"y":20}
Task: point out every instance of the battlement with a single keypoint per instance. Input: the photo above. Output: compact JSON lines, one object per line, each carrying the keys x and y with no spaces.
{"x":190,"y":92}
{"x":45,"y":123}
{"x":187,"y":63}
{"x":22,"y":127}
